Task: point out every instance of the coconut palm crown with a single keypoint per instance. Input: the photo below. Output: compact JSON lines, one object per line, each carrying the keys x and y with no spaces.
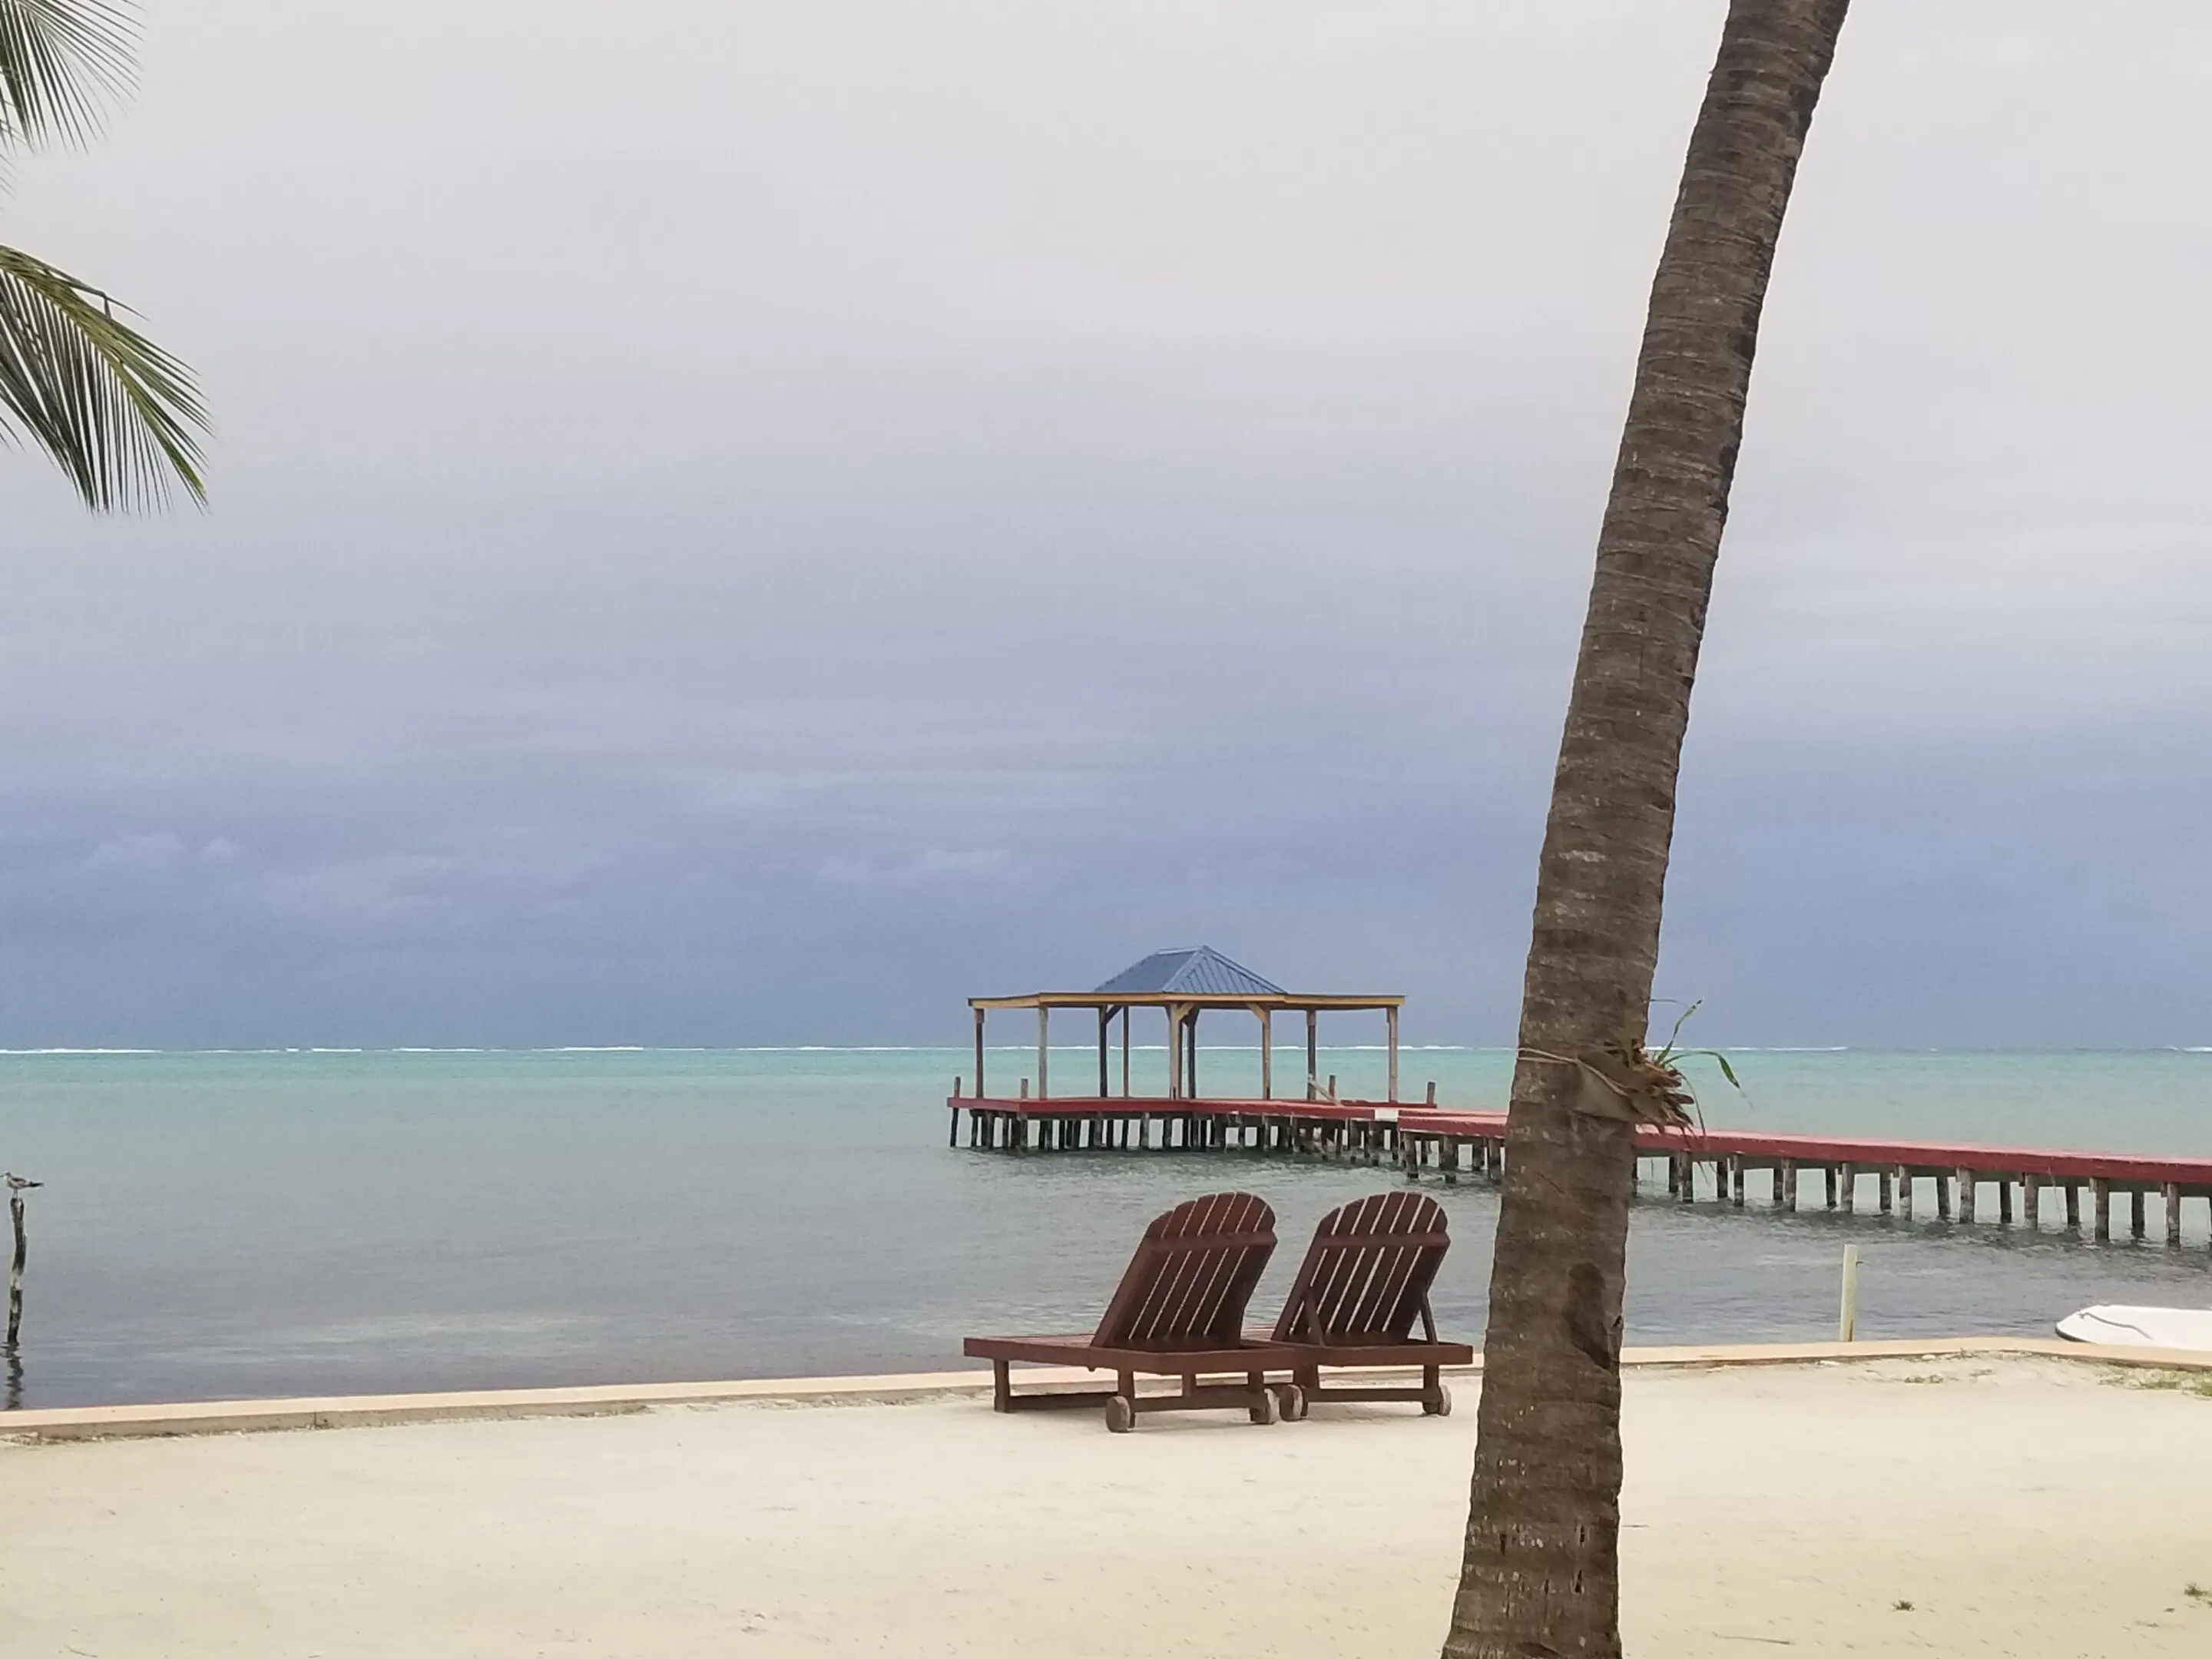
{"x":117,"y":414}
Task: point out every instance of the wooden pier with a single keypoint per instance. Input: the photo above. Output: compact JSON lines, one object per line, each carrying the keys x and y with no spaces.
{"x":2022,"y":1183}
{"x":2010,"y":1185}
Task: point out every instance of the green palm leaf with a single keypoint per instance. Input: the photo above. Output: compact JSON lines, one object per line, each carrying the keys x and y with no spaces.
{"x":60,"y":60}
{"x":117,"y":414}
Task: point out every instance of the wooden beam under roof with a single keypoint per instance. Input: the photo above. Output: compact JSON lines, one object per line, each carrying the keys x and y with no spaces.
{"x":1182,"y":999}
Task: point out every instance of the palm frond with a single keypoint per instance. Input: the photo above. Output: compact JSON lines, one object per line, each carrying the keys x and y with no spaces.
{"x":117,"y":414}
{"x":60,"y":62}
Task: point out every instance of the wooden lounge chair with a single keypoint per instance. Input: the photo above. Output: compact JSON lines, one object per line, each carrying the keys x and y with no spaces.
{"x":1179,"y":1312}
{"x":1365,"y":1282}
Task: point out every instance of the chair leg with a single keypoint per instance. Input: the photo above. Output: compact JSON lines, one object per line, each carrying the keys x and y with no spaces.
{"x":1434,"y":1396}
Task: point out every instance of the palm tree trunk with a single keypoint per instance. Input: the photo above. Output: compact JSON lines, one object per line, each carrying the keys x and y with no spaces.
{"x":1540,"y":1576}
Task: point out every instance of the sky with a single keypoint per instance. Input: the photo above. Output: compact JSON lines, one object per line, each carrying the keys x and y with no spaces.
{"x":744,"y":523}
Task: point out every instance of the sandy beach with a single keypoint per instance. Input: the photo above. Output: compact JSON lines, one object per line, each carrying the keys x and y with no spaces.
{"x":1959,"y":1506}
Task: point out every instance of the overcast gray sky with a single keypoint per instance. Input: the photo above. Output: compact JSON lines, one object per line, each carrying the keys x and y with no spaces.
{"x":744,"y":522}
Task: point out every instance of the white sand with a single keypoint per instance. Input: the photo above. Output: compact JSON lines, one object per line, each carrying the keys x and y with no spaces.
{"x":2021,"y":1506}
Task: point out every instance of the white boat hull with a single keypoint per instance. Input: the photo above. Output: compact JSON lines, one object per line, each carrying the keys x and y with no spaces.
{"x":2183,"y":1328}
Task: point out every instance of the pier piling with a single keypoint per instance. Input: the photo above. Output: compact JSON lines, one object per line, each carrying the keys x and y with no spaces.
{"x":1451,"y":1143}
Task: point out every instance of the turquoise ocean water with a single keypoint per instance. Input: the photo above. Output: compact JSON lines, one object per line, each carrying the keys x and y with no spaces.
{"x":221,"y":1224}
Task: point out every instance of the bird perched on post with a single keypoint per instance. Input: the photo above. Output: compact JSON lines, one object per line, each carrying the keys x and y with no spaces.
{"x":16,"y":1183}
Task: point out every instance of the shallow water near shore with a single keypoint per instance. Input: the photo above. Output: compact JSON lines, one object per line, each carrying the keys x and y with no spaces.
{"x":223,"y":1225}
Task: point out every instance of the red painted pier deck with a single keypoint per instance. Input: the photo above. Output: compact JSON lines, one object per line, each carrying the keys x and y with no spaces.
{"x":1421,"y":1139}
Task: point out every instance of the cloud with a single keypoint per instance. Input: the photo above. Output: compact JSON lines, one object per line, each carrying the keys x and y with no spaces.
{"x":904,"y":500}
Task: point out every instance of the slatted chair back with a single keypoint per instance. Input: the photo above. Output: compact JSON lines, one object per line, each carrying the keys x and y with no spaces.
{"x":1190,"y":1279}
{"x":1366,"y":1277}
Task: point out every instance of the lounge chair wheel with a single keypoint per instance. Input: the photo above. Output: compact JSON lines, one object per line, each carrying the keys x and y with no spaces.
{"x":1292,"y":1399}
{"x":1120,"y":1415}
{"x":1441,"y":1406}
{"x":1264,"y":1409}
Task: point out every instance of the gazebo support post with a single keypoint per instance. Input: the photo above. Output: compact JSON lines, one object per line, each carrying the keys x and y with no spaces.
{"x":1104,"y":1016}
{"x":978,"y":1053}
{"x":1044,"y":1043}
{"x":1312,"y":1052}
{"x":1391,"y":1016}
{"x":1191,"y":1026}
{"x":1266,"y":1054}
{"x":1125,"y":1052}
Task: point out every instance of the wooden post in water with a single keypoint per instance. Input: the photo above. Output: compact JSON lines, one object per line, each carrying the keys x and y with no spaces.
{"x":2100,"y":1207}
{"x":1847,"y":1319}
{"x":1786,"y":1183}
{"x":2073,"y":1207}
{"x":1847,"y":1185}
{"x":2031,"y":1201}
{"x":2135,"y":1228}
{"x":1943,"y":1197}
{"x":1829,"y":1170}
{"x":2172,"y":1194}
{"x":1736,"y":1181}
{"x":2004,"y":1200}
{"x":1966,"y":1180}
{"x":1901,"y":1178}
{"x":17,"y":1186}
{"x":1884,"y":1187}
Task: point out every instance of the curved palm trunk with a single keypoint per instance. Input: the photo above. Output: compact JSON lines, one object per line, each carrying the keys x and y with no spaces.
{"x":1541,"y":1573}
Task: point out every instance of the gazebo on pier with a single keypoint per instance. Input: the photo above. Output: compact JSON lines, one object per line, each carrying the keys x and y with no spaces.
{"x":1184,"y":984}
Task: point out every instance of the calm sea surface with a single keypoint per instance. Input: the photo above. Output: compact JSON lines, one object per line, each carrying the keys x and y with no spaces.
{"x":226,"y":1223}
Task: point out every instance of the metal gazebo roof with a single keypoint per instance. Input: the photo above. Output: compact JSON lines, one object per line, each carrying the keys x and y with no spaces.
{"x":1202,"y":968}
{"x":1195,"y":976}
